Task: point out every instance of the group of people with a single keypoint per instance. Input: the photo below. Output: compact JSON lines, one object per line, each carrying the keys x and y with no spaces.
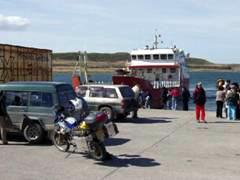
{"x":171,"y":97}
{"x":143,"y":98}
{"x":227,"y":99}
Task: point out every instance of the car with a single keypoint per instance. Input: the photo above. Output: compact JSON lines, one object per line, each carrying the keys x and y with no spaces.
{"x":31,"y":106}
{"x":116,"y":100}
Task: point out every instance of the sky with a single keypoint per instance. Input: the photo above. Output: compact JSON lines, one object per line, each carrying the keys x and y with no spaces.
{"x":204,"y":28}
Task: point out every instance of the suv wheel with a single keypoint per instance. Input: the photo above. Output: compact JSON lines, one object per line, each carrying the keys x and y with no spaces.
{"x":33,"y":133}
{"x":108,"y":111}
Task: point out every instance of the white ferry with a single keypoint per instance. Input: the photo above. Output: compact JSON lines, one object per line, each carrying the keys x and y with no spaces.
{"x":155,"y":68}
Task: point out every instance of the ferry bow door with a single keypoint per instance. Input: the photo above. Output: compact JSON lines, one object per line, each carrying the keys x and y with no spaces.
{"x":157,"y":78}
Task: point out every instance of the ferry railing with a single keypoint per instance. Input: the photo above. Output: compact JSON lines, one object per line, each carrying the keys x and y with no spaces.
{"x":167,"y":84}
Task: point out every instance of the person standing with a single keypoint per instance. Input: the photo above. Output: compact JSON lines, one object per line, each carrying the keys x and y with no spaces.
{"x":148,"y":99}
{"x":185,"y":98}
{"x":3,"y":118}
{"x":169,"y":99}
{"x":175,"y":95}
{"x":220,"y":96}
{"x":199,"y":97}
{"x":164,"y":97}
{"x":136,"y":89}
{"x":232,"y":100}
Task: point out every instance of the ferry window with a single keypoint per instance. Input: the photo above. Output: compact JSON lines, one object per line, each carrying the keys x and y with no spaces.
{"x":163,"y":56}
{"x":170,"y":56}
{"x":173,"y":70}
{"x":134,"y":57}
{"x":147,"y":56}
{"x":149,"y":70}
{"x":164,"y":70}
{"x":140,"y":56}
{"x":156,"y":56}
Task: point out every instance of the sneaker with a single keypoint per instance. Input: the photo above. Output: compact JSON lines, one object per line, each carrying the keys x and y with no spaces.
{"x":204,"y":121}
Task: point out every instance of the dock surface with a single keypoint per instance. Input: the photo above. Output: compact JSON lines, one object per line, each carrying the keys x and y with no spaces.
{"x":161,"y":144}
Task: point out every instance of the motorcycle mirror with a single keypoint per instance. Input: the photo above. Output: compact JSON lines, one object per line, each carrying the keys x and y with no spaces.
{"x":58,"y":108}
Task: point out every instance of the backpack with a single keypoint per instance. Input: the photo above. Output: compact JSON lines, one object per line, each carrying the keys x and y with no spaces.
{"x":232,"y":100}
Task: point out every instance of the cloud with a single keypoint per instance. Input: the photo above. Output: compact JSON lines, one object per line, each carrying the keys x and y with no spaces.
{"x":13,"y":23}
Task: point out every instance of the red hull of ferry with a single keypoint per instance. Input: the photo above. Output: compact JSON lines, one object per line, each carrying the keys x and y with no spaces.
{"x":146,"y":86}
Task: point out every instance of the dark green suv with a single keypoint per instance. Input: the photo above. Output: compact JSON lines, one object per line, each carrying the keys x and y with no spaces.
{"x":31,"y":106}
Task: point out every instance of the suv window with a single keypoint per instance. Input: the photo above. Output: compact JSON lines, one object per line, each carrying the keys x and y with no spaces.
{"x":103,"y":92}
{"x":41,"y":99}
{"x":65,"y":93}
{"x":110,"y":93}
{"x":126,"y":92}
{"x":16,"y":98}
{"x":82,"y":91}
{"x":96,"y":92}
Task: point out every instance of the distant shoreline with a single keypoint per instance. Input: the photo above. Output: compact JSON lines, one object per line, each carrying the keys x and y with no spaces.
{"x":108,"y":66}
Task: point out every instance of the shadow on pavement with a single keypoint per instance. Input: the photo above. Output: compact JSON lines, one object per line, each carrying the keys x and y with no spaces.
{"x":150,"y":120}
{"x":125,"y":160}
{"x":225,"y":122}
{"x":115,"y":141}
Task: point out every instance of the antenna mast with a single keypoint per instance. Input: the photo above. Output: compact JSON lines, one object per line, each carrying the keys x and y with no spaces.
{"x":155,"y":43}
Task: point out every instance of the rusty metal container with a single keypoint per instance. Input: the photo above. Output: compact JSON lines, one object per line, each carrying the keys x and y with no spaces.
{"x":19,"y":63}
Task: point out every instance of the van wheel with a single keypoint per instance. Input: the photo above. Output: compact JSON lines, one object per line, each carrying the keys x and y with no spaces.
{"x":108,"y":111}
{"x":33,"y":133}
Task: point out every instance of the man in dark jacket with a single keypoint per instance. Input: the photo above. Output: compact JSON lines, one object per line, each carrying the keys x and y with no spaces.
{"x":3,"y":118}
{"x":185,"y":98}
{"x":199,"y":97}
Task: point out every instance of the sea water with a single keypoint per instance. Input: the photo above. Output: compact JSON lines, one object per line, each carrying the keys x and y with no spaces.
{"x":208,"y":80}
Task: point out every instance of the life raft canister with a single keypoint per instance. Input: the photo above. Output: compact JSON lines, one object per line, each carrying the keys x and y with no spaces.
{"x":76,"y":81}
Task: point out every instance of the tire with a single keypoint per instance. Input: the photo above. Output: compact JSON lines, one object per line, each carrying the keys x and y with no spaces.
{"x":97,"y":150}
{"x":108,"y":111}
{"x":60,"y":141}
{"x":33,"y":133}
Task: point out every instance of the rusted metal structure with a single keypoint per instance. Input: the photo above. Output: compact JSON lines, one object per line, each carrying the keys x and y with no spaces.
{"x":19,"y":63}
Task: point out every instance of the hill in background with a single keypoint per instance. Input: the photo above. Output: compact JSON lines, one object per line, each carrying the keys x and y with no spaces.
{"x":110,"y":61}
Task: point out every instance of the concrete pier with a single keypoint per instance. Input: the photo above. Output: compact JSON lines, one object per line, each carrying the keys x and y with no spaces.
{"x":162,"y":144}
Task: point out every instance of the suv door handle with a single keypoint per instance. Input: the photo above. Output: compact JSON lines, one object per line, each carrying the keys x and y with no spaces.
{"x":22,"y":110}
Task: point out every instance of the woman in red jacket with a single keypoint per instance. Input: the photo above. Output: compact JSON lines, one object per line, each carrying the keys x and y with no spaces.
{"x":199,"y":97}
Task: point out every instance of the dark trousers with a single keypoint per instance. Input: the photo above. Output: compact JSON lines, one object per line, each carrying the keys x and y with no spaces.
{"x":219,"y":108}
{"x":185,"y":105}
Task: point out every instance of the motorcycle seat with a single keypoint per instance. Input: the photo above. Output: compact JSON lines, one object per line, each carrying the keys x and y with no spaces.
{"x":91,"y":118}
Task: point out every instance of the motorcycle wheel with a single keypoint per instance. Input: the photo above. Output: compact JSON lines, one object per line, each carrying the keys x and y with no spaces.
{"x":97,"y":150}
{"x":61,"y":142}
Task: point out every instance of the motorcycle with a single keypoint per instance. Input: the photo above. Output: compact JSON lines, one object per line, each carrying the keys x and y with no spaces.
{"x":89,"y":133}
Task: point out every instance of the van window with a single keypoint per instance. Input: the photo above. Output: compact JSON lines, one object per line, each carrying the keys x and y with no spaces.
{"x":15,"y":98}
{"x":126,"y":92}
{"x":41,"y":99}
